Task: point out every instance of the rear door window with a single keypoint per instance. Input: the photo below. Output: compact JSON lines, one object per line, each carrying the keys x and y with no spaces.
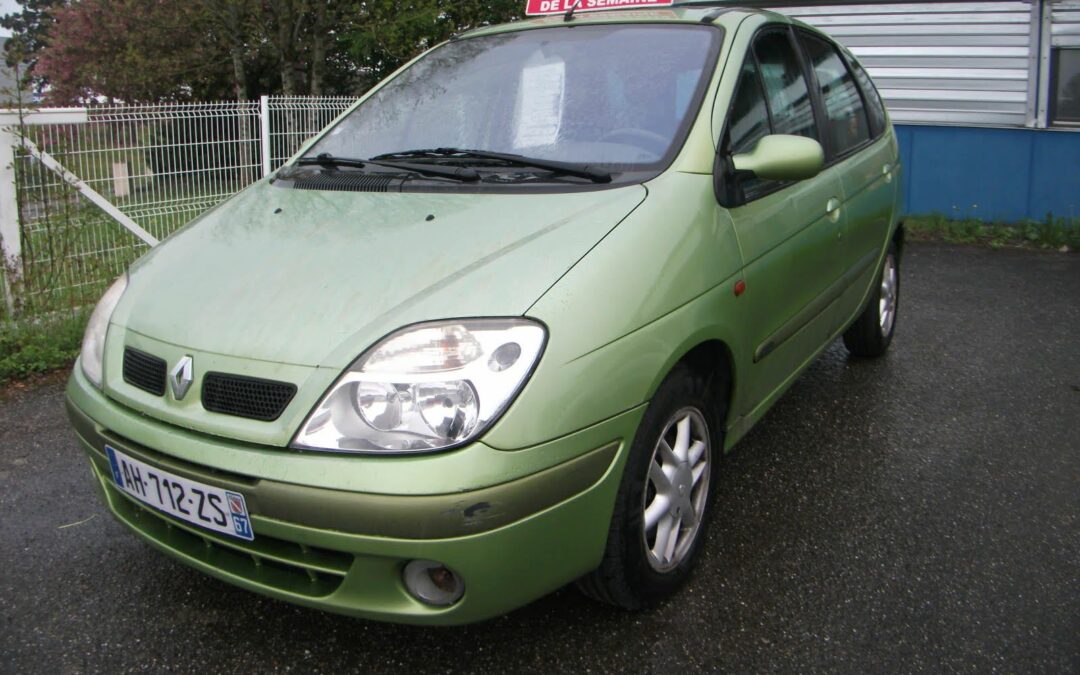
{"x":847,"y":125}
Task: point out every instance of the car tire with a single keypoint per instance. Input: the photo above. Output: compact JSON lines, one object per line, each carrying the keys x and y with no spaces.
{"x":631,"y":575}
{"x":872,"y":332}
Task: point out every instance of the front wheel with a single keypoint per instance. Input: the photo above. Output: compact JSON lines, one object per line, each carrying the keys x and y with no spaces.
{"x":872,"y":332}
{"x":661,"y":509}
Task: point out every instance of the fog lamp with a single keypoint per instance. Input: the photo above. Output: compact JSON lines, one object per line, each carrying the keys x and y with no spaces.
{"x":433,"y":583}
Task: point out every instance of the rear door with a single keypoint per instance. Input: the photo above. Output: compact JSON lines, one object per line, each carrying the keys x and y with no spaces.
{"x":787,"y":231}
{"x":859,"y":150}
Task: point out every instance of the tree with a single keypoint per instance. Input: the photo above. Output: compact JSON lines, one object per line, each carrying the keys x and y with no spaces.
{"x":149,"y":50}
{"x":229,"y":22}
{"x":153,"y":50}
{"x":28,"y":27}
{"x":132,"y":51}
{"x":305,"y":36}
{"x":389,"y":33}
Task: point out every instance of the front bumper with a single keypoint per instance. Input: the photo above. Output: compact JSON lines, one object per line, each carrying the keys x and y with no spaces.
{"x":340,"y":546}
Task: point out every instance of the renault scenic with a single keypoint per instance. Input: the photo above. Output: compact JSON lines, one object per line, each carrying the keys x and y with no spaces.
{"x":492,"y":331}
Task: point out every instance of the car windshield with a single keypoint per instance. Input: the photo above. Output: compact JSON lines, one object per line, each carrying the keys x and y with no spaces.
{"x":616,"y":95}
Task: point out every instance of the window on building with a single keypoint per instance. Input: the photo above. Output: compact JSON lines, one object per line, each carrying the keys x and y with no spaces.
{"x":848,"y":127}
{"x":1065,"y":86}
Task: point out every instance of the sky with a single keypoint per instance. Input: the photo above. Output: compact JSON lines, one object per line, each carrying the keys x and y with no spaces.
{"x":7,"y":7}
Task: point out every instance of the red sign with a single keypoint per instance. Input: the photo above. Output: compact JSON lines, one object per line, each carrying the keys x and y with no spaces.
{"x":535,"y":7}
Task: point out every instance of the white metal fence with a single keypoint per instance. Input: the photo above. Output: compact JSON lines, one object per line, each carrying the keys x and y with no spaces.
{"x":159,"y":166}
{"x":291,"y":120}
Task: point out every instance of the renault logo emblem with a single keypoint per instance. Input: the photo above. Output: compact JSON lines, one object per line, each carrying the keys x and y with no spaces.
{"x":181,"y":377}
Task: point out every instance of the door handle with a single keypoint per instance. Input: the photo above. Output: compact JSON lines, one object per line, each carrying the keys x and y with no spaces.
{"x":887,"y":172}
{"x":832,"y":209}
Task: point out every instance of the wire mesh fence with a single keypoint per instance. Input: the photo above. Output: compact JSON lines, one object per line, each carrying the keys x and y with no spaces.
{"x":160,"y":165}
{"x":294,"y":119}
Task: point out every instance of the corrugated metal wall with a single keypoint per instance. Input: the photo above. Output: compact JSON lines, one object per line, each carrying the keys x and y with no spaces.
{"x":942,"y":62}
{"x":1065,"y":23}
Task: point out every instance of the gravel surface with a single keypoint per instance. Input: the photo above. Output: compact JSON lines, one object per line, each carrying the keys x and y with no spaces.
{"x":913,"y":513}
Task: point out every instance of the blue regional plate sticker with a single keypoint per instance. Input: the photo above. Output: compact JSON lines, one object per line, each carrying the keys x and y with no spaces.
{"x":238,"y":511}
{"x":118,"y":477}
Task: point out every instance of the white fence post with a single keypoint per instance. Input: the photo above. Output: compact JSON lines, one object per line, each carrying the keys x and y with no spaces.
{"x":264,"y":120}
{"x":10,"y":234}
{"x":9,"y":205}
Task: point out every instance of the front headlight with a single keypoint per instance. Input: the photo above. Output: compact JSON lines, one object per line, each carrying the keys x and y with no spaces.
{"x":93,"y":345}
{"x":426,"y":387}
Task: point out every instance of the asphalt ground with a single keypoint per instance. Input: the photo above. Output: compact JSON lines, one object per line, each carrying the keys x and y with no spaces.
{"x":915,"y":513}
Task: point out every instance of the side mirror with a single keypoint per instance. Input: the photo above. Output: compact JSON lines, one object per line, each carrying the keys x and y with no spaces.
{"x":782,"y":157}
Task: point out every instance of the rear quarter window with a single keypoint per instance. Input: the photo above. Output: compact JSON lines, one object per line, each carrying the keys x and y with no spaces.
{"x":875,"y":109}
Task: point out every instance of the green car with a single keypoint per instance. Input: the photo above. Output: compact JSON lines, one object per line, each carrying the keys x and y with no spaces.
{"x":492,"y":331}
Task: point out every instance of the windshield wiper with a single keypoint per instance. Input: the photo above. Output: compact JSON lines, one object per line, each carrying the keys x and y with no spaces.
{"x":578,"y":170}
{"x":328,"y":160}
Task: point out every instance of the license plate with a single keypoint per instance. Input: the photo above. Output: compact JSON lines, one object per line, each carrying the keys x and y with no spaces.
{"x":215,"y":509}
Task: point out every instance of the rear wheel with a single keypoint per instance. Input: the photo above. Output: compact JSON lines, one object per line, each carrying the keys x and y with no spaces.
{"x":872,"y":332}
{"x":661,"y":510}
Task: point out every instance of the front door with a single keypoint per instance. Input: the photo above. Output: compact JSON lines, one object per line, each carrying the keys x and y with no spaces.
{"x":788,"y":232}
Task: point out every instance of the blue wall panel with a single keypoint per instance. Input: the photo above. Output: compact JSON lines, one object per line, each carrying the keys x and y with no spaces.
{"x":993,"y":174}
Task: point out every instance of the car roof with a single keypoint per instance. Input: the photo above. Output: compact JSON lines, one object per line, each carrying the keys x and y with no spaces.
{"x":723,"y":14}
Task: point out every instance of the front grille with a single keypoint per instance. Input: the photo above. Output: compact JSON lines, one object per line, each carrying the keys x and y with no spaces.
{"x":346,"y":182}
{"x":145,"y":371}
{"x":246,"y":396}
{"x":280,"y":564}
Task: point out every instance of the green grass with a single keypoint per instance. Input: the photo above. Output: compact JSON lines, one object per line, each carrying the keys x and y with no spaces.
{"x":1050,"y":233}
{"x":29,"y":348}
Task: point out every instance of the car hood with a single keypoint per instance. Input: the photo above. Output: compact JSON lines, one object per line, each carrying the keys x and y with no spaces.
{"x":313,"y":278}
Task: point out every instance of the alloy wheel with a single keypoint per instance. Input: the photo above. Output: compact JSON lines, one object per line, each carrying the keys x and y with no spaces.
{"x":887,"y":300}
{"x":676,"y":490}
